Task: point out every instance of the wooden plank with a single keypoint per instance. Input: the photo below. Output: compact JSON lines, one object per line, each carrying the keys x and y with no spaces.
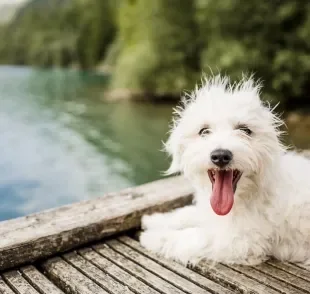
{"x":267,"y":280}
{"x":139,"y":272}
{"x":177,"y":268}
{"x":303,"y":266}
{"x":116,"y":272}
{"x":44,"y":234}
{"x":285,"y":277}
{"x":292,"y":269}
{"x":236,"y":280}
{"x":95,"y":274}
{"x":39,"y":281}
{"x":4,"y":288}
{"x":18,"y":283}
{"x":156,"y":268}
{"x":69,"y":279}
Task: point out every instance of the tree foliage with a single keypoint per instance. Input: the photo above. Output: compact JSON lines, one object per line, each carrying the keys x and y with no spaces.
{"x":269,"y":38}
{"x":161,"y":47}
{"x":59,"y":33}
{"x":157,"y":46}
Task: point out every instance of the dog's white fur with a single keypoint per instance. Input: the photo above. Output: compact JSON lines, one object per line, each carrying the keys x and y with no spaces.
{"x":271,"y":213}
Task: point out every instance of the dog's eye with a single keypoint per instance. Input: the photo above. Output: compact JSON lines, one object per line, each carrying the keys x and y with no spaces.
{"x":204,"y":131}
{"x":245,"y":129}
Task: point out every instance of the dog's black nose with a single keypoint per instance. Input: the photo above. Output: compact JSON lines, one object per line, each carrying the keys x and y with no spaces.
{"x":221,"y":157}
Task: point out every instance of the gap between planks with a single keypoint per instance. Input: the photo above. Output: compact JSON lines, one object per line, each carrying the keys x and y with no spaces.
{"x":181,"y":277}
{"x":259,"y":279}
{"x":27,"y":280}
{"x":217,"y":278}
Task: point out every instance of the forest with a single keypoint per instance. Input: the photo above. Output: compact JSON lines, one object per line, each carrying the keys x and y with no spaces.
{"x":157,"y":49}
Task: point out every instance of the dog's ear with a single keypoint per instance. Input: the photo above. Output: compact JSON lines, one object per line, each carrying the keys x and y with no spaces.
{"x":172,"y":147}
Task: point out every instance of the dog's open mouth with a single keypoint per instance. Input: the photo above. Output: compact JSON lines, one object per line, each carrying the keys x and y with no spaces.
{"x":224,"y":185}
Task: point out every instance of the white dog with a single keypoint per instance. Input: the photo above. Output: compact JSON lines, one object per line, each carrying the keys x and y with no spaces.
{"x":252,"y":197}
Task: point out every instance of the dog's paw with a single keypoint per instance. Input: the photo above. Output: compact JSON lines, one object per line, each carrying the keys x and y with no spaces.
{"x":183,"y":246}
{"x":154,"y":221}
{"x":153,"y":241}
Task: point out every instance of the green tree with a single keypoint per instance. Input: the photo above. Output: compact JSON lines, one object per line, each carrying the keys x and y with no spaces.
{"x":270,"y":38}
{"x":157,"y":47}
{"x":96,"y":31}
{"x":59,"y":33}
{"x":161,"y":47}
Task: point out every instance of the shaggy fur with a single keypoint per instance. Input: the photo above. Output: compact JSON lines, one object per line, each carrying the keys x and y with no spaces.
{"x":271,"y":211}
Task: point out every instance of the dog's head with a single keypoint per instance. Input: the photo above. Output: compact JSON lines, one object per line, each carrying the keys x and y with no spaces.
{"x":223,"y":134}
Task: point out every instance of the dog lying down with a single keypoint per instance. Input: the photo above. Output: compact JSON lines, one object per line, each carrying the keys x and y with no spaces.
{"x":252,"y":197}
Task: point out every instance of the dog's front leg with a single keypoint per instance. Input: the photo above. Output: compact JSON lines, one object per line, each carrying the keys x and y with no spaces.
{"x":187,"y":245}
{"x":190,"y":245}
{"x":180,"y":218}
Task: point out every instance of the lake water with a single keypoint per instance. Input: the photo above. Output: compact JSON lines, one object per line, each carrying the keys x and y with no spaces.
{"x":61,"y":142}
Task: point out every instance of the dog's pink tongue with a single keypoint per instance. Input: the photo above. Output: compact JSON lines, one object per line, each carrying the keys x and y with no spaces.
{"x":222,"y":198}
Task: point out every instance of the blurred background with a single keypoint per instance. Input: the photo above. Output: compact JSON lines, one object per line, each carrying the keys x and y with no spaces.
{"x":87,"y":87}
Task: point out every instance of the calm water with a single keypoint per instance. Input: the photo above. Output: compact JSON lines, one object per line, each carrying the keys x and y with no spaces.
{"x":61,"y":143}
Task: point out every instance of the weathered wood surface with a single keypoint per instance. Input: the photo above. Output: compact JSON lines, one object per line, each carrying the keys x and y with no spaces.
{"x":18,"y":283}
{"x":4,"y":288}
{"x":92,"y":272}
{"x":117,"y":272}
{"x":175,"y":267}
{"x":45,"y":234}
{"x":123,"y":266}
{"x":166,"y":274}
{"x":39,"y":281}
{"x":295,"y":270}
{"x":138,"y":271}
{"x":70,"y":279}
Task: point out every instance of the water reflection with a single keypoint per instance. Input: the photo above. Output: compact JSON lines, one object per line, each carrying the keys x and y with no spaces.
{"x":61,"y":143}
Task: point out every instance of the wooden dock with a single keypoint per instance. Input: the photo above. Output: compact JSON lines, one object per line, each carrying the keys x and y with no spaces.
{"x":91,"y":248}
